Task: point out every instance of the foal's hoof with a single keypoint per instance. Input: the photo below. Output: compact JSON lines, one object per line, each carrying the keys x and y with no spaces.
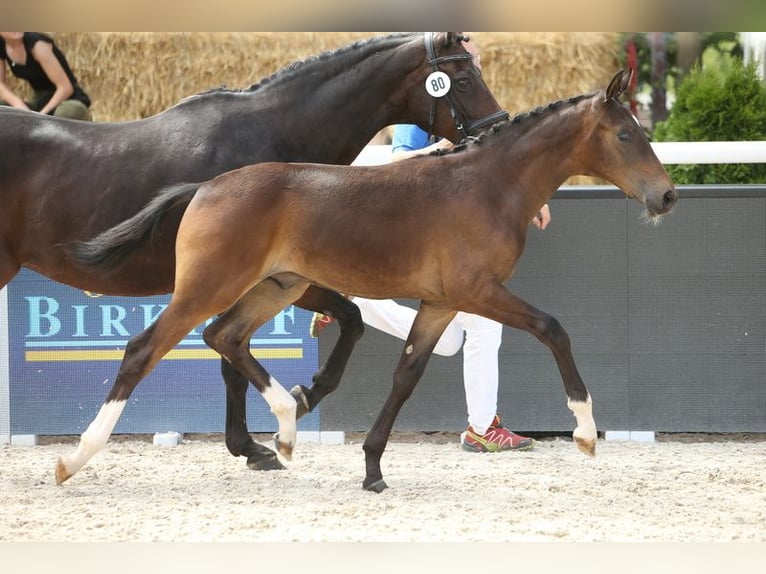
{"x":62,"y":473}
{"x":377,"y":487}
{"x":284,"y":448}
{"x":298,"y":392}
{"x":267,"y":463}
{"x":586,"y":446}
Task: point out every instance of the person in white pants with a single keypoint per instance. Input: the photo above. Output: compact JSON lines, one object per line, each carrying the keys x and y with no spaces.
{"x":478,"y":336}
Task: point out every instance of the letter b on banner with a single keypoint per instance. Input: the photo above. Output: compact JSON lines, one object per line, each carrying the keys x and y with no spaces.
{"x":42,"y":317}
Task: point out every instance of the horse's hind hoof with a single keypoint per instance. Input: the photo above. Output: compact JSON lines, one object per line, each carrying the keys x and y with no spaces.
{"x":62,"y":474}
{"x":298,"y":392}
{"x":267,"y":463}
{"x":586,"y":446}
{"x":284,"y":448}
{"x":377,"y":487}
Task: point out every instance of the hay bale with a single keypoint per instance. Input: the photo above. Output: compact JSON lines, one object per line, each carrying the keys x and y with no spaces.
{"x":132,"y":76}
{"x":528,"y":69}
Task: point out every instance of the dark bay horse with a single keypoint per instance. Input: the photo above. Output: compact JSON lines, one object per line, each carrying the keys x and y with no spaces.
{"x":62,"y":181}
{"x":447,"y":229}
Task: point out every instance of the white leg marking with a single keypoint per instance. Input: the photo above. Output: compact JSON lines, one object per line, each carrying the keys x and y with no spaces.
{"x":95,"y":436}
{"x":284,"y":407}
{"x":583,"y":412}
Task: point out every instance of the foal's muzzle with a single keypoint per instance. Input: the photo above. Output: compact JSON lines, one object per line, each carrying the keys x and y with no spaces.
{"x":662,"y":204}
{"x":669,"y":199}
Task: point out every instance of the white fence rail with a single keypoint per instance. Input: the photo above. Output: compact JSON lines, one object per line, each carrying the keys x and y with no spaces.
{"x":711,"y":152}
{"x":667,"y":152}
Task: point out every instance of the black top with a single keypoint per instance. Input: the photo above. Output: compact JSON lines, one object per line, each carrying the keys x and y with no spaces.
{"x":32,"y":71}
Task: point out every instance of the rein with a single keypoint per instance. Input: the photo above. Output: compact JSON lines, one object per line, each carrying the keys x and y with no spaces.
{"x":473,"y":126}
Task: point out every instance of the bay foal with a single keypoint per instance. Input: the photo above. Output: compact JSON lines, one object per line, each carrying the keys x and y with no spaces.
{"x":447,"y":229}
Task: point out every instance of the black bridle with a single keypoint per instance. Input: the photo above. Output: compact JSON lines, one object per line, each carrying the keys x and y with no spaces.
{"x":460,"y":124}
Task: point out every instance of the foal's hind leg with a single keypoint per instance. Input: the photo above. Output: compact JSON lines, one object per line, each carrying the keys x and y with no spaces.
{"x":230,"y":335}
{"x":238,"y":439}
{"x":327,"y":378}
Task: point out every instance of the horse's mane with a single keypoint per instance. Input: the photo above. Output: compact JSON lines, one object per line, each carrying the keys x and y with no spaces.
{"x":295,"y":67}
{"x":519,"y":121}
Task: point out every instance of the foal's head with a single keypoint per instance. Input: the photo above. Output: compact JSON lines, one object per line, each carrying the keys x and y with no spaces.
{"x":616,"y":141}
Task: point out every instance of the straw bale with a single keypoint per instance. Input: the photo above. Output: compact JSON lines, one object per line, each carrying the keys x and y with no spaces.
{"x":528,"y":69}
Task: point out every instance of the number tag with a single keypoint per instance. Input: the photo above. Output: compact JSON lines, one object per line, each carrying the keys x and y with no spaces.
{"x":438,"y":84}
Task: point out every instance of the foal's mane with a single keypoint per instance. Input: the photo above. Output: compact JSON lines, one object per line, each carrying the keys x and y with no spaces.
{"x":296,"y":67}
{"x":519,"y":121}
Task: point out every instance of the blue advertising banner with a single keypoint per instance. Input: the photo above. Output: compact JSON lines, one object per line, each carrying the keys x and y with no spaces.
{"x":65,"y":347}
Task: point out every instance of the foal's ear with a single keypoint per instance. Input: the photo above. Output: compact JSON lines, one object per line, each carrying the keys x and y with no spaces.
{"x":618,"y":85}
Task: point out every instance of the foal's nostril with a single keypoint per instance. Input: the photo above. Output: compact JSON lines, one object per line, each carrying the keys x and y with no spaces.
{"x":669,"y":199}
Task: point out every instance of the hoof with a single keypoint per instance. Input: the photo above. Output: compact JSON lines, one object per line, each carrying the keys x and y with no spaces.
{"x":62,"y":474}
{"x":298,"y":392}
{"x":267,"y":463}
{"x":377,"y":487}
{"x":586,"y":446}
{"x":284,"y":448}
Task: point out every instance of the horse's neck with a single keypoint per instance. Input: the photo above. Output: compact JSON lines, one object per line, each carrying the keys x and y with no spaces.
{"x":543,"y":153}
{"x":342,"y":101}
{"x":529,"y":161}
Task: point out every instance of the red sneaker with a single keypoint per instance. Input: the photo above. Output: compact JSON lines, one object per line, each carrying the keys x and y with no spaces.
{"x":496,"y":438}
{"x":318,"y":323}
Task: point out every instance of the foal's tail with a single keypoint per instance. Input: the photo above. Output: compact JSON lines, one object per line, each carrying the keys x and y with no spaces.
{"x":113,"y":246}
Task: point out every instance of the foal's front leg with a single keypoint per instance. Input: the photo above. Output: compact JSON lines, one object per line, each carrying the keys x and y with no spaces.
{"x":499,"y":304}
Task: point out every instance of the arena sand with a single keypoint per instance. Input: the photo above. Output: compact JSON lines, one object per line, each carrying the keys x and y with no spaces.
{"x":669,"y":491}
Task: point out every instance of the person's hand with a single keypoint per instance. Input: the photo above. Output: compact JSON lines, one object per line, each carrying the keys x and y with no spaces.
{"x":10,"y":98}
{"x":443,"y":143}
{"x":543,"y":217}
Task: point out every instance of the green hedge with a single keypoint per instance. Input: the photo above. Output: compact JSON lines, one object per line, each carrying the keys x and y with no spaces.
{"x":712,"y":105}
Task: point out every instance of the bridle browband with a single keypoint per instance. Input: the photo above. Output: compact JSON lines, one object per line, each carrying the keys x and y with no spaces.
{"x":473,"y":126}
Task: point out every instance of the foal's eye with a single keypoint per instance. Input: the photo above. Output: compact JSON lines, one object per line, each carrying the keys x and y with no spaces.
{"x":624,"y":136}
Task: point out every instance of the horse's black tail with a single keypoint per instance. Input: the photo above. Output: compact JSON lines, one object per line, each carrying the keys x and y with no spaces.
{"x":113,"y":246}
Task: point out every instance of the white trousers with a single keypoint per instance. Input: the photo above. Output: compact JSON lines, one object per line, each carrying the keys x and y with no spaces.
{"x":480,"y":338}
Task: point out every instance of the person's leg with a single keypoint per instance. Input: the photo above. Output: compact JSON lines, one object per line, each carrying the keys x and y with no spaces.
{"x":480,"y":368}
{"x":73,"y":109}
{"x":390,"y":317}
{"x":37,"y":100}
{"x":486,"y":432}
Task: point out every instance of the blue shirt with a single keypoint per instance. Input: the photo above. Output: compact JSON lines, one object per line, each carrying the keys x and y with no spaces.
{"x":408,"y":137}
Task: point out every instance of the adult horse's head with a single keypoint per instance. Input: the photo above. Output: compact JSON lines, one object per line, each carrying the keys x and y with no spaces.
{"x":617,"y":139}
{"x":452,"y":92}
